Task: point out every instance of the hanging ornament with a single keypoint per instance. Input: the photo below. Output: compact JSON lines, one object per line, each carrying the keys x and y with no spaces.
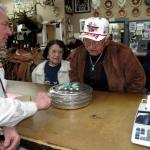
{"x":108,"y":14}
{"x":135,"y":12}
{"x":96,"y":14}
{"x":122,"y":12}
{"x":95,"y":4}
{"x":121,"y":3}
{"x":136,"y":3}
{"x":148,"y":11}
{"x":108,"y":4}
{"x":147,"y":2}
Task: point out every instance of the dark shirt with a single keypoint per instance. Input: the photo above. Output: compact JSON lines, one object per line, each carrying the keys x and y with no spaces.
{"x":51,"y":74}
{"x":146,"y":63}
{"x":95,"y":78}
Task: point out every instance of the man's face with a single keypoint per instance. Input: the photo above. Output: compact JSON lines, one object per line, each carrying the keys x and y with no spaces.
{"x":4,"y":29}
{"x":94,"y":47}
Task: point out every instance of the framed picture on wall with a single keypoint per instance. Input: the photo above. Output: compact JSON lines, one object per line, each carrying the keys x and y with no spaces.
{"x":69,"y":6}
{"x":26,"y":6}
{"x":82,"y":22}
{"x":82,"y":6}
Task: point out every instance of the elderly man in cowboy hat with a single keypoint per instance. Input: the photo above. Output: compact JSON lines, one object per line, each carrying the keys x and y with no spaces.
{"x":105,"y":64}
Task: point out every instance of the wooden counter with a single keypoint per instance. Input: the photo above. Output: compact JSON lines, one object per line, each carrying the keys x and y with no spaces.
{"x":105,"y":124}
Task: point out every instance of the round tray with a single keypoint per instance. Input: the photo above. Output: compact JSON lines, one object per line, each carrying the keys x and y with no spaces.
{"x":71,"y":95}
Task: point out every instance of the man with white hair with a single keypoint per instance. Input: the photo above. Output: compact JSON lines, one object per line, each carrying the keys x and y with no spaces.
{"x":13,"y":111}
{"x":105,"y":64}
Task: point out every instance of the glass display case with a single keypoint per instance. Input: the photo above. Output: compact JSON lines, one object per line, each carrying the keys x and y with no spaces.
{"x":118,"y":29}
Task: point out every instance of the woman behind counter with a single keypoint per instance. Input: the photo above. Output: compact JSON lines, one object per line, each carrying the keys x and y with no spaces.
{"x":54,"y":69}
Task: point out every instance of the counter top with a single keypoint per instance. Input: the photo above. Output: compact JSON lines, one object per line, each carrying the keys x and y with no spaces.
{"x":105,"y":124}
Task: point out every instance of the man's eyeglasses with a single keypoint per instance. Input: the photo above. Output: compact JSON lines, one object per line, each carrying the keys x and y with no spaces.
{"x":5,"y":25}
{"x":88,"y":43}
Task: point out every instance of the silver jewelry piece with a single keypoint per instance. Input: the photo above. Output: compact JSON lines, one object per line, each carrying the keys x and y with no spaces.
{"x":93,"y":65}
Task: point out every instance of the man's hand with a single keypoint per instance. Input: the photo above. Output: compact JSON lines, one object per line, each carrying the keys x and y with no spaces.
{"x":12,"y":138}
{"x":42,"y":101}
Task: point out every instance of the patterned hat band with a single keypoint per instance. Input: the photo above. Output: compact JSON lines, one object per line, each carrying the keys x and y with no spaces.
{"x":89,"y":33}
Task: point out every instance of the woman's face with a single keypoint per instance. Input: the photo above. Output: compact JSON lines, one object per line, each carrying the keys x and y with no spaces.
{"x":55,"y":54}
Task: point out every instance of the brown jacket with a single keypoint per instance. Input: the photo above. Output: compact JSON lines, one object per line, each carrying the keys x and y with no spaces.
{"x":123,"y":70}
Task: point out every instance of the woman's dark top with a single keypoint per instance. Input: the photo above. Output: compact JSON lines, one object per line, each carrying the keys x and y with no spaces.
{"x":51,"y":74}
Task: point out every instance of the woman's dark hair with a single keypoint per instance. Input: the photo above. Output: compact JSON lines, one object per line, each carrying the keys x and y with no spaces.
{"x":61,"y":45}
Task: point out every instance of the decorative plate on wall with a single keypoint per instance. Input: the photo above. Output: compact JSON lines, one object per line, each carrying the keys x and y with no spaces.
{"x":136,"y":3}
{"x":108,"y":14}
{"x":122,"y":12}
{"x":147,"y":2}
{"x":108,"y":4}
{"x":148,"y":11}
{"x":135,"y":12}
